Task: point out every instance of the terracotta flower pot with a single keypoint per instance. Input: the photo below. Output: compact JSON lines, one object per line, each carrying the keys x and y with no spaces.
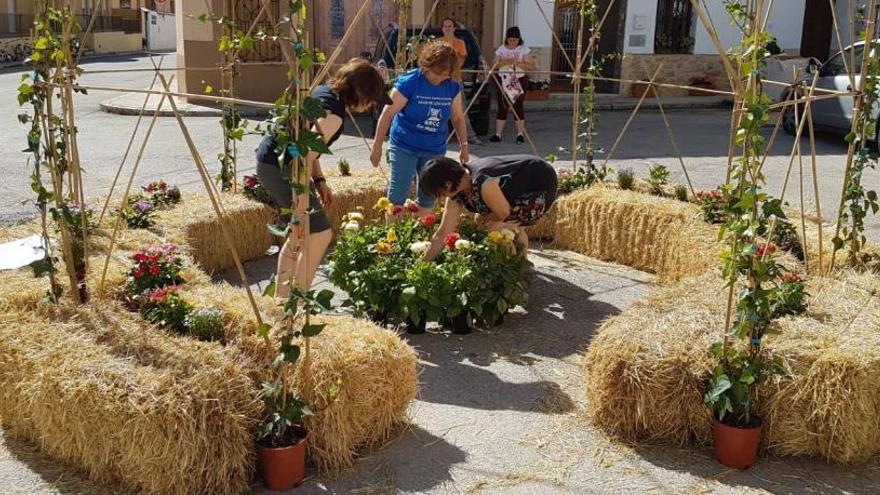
{"x":736,"y":447}
{"x":283,"y":468}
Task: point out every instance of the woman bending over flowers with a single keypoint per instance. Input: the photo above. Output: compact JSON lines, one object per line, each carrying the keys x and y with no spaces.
{"x":507,"y":191}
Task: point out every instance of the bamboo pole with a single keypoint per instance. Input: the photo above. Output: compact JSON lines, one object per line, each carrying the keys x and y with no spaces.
{"x":137,"y":162}
{"x":797,"y":138}
{"x":713,"y":35}
{"x":675,"y":146}
{"x":428,"y":18}
{"x":632,"y":115}
{"x":206,"y":179}
{"x":486,"y":79}
{"x":559,"y":45}
{"x":809,"y":115}
{"x":595,"y":36}
{"x":128,"y":148}
{"x":576,"y":90}
{"x":800,"y":158}
{"x":512,"y":110}
{"x":857,"y":111}
{"x":846,"y":66}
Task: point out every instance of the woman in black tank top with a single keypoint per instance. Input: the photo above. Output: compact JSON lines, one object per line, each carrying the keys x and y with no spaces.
{"x":357,"y":86}
{"x":507,"y":191}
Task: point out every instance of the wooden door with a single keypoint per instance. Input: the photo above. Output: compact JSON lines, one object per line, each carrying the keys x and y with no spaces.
{"x":566,"y":22}
{"x":466,"y":12}
{"x":817,"y":30}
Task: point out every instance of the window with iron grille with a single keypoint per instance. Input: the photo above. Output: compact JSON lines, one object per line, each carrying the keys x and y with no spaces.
{"x":675,"y":27}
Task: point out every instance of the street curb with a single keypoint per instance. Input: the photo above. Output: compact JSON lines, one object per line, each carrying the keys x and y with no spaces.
{"x":20,"y":63}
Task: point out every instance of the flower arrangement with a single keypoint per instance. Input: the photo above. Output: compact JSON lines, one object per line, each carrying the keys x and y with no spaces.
{"x":713,"y":205}
{"x":164,"y":307}
{"x":253,"y":189}
{"x":477,"y":278}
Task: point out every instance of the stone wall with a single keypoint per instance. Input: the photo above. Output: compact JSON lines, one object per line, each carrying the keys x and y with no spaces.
{"x":677,"y":69}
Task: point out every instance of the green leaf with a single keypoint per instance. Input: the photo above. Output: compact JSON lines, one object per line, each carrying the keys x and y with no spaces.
{"x":720,"y":384}
{"x":247,"y":43}
{"x":325,"y":298}
{"x":312,"y":330}
{"x":263,"y":329}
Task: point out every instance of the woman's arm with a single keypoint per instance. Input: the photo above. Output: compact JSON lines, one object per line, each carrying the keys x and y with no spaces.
{"x":527,"y":62}
{"x":327,"y":127}
{"x":460,"y":125}
{"x":495,"y":200}
{"x":398,"y":101}
{"x":451,"y":217}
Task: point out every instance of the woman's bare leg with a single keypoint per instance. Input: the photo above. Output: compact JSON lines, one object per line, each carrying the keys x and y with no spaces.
{"x":300,"y":266}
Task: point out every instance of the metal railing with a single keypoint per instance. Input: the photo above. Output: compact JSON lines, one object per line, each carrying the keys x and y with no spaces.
{"x":19,"y":25}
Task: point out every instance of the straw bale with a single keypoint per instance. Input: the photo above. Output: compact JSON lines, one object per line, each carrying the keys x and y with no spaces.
{"x":647,"y":367}
{"x":96,"y":387}
{"x":371,"y":371}
{"x":194,"y":224}
{"x":659,"y":235}
{"x":359,"y":190}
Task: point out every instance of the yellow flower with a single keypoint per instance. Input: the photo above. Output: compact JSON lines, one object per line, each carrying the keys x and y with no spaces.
{"x":356,"y":216}
{"x":496,"y":237}
{"x":384,"y":247}
{"x":391,"y":236}
{"x":508,"y":234}
{"x":383,"y":204}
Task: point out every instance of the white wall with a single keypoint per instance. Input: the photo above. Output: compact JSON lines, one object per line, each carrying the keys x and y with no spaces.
{"x":532,"y":25}
{"x":641,"y":19}
{"x":786,"y":23}
{"x":161,"y":31}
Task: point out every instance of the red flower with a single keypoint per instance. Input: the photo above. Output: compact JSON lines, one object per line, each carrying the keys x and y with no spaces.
{"x":251,"y":181}
{"x":765,"y":248}
{"x":138,"y":273}
{"x":154,"y":270}
{"x":429,"y":220}
{"x":792,"y":277}
{"x":451,"y":239}
{"x":413,"y":207}
{"x":397,"y":209}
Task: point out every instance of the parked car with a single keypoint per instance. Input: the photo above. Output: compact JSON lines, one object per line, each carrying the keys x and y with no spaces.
{"x":479,"y":112}
{"x":833,"y":113}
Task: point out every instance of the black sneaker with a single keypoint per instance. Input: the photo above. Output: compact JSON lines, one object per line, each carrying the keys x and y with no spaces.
{"x":520,"y":139}
{"x":495,"y":139}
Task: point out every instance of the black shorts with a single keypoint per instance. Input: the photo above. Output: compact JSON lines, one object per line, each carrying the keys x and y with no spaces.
{"x":279,"y":188}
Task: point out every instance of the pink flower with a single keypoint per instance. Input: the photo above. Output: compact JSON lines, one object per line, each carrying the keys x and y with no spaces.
{"x":428,"y":220}
{"x":792,"y":277}
{"x":158,"y":295}
{"x":451,"y":239}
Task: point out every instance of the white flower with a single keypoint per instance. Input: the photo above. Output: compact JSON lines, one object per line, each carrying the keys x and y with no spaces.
{"x":420,"y":247}
{"x":463,"y":245}
{"x":508,"y":234}
{"x":351,"y":226}
{"x":356,"y":216}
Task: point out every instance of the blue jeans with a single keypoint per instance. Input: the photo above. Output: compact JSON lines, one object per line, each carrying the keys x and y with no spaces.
{"x":406,"y":165}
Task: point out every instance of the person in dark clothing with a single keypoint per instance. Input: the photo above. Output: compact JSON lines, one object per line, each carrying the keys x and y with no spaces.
{"x":507,"y":191}
{"x":357,"y":86}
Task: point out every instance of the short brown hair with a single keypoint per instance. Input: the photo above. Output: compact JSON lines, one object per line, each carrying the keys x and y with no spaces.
{"x":358,"y":82}
{"x":438,"y":56}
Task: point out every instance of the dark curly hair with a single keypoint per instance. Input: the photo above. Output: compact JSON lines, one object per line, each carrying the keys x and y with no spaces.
{"x":359,"y":82}
{"x":439,"y":175}
{"x":438,"y":56}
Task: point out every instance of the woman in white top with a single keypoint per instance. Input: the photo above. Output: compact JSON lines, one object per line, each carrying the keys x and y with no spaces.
{"x":513,"y":61}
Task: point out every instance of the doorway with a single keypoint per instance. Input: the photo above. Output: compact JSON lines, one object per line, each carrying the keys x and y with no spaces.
{"x":817,"y":30}
{"x":566,"y":21}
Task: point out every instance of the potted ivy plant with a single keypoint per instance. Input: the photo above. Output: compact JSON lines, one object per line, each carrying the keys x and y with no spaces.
{"x":281,"y":435}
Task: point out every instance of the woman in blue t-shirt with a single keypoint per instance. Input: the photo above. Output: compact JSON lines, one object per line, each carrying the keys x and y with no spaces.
{"x":424,"y":100}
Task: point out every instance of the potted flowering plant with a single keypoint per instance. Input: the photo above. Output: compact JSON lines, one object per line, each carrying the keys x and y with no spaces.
{"x":139,"y":212}
{"x":154,"y":268}
{"x":161,"y":194}
{"x":253,"y":189}
{"x":164,"y":307}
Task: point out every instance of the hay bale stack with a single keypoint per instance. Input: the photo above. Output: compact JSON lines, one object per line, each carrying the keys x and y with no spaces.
{"x":659,"y":235}
{"x":154,"y":413}
{"x":360,"y":190}
{"x":646,"y":369}
{"x":194,"y":224}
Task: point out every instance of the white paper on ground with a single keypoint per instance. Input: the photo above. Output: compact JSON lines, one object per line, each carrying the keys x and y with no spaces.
{"x":22,"y":252}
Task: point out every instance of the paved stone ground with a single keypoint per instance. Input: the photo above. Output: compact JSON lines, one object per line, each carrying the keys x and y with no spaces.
{"x":499,"y":411}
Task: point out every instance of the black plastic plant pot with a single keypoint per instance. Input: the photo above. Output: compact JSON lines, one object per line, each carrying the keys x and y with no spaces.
{"x":415,"y":329}
{"x":500,"y":319}
{"x":380,"y":319}
{"x":459,"y":324}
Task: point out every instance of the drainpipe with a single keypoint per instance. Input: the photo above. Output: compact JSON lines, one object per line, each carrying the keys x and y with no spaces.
{"x":504,"y":21}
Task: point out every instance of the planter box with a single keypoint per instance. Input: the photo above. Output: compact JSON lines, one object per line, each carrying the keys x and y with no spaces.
{"x":537,"y":95}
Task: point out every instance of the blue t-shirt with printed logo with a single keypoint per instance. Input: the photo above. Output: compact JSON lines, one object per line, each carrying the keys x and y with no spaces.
{"x":421,"y":125}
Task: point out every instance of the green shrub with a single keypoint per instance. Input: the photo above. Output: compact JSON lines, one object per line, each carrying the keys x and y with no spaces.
{"x":626,"y":178}
{"x":206,"y":324}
